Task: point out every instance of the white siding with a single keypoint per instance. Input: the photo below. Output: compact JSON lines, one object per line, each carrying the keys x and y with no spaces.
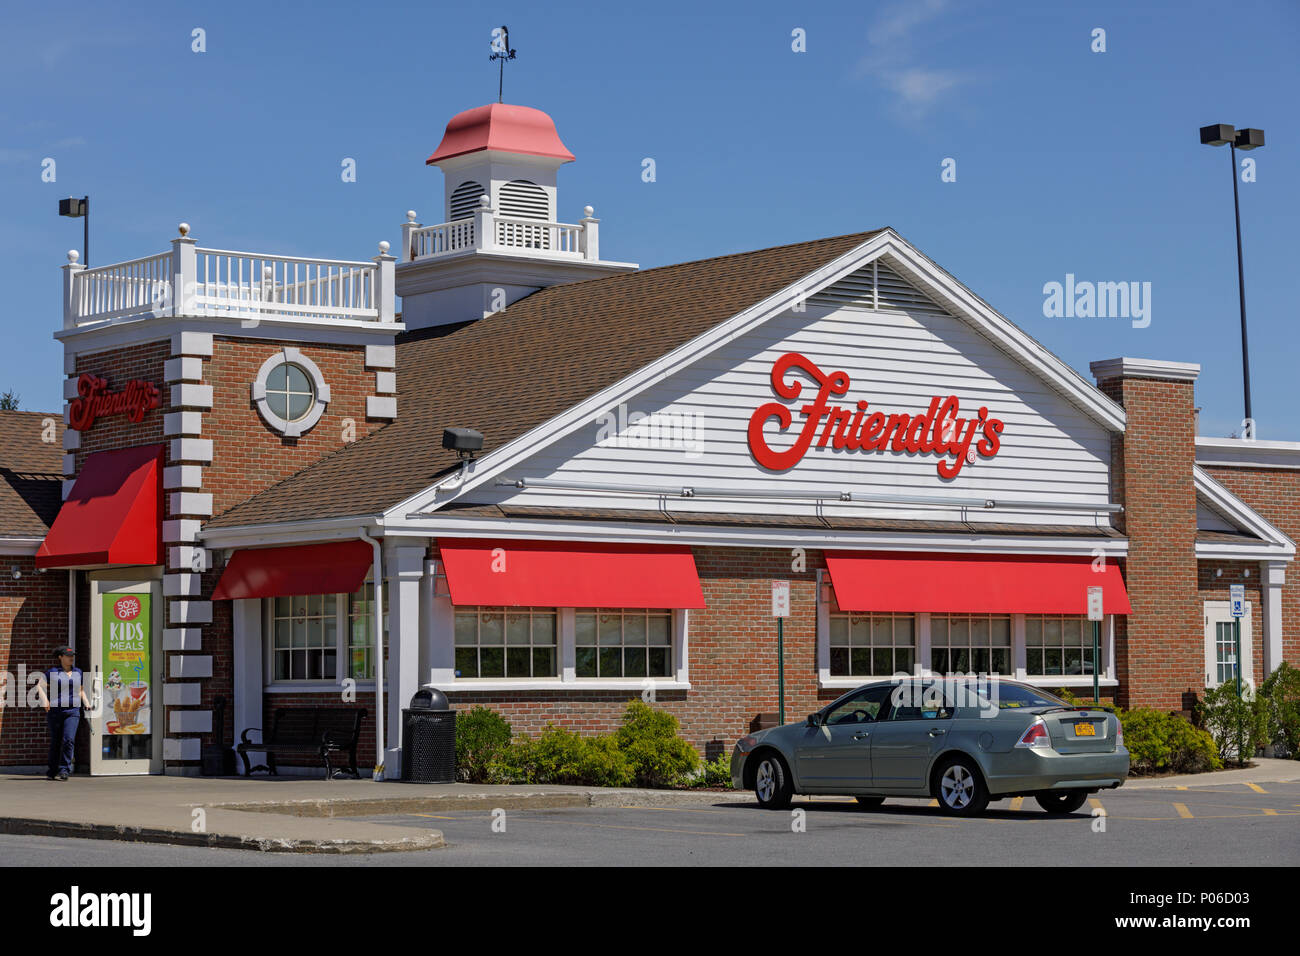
{"x":897,"y":360}
{"x":1207,"y":519}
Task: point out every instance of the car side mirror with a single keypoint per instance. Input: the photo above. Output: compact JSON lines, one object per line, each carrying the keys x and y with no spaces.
{"x":814,"y":720}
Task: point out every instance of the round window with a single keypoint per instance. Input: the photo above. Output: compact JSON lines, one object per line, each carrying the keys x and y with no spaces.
{"x":289,"y":392}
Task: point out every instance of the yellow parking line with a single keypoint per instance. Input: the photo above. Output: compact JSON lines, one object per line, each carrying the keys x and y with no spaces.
{"x":432,"y":816}
{"x":1183,"y":811}
{"x":1270,"y":813}
{"x":1017,"y":803}
{"x":1257,"y":788}
{"x":1096,"y":804}
{"x":933,"y":803}
{"x":1176,"y":787}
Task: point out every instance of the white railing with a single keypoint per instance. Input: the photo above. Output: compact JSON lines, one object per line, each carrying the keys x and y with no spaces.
{"x":247,"y":285}
{"x":488,"y":232}
{"x":224,"y":284}
{"x":125,"y":288}
{"x":531,"y":234}
{"x":441,"y":239}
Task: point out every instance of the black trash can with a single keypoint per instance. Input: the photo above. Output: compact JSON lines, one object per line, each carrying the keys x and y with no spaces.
{"x":429,"y":738}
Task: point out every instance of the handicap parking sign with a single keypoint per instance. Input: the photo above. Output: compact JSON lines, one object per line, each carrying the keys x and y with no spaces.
{"x":1237,"y":598}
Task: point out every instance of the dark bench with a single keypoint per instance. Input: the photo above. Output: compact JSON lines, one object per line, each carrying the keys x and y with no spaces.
{"x":307,"y":730}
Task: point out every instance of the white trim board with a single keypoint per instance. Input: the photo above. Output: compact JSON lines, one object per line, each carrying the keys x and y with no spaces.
{"x":1237,"y":453}
{"x":715,"y":536}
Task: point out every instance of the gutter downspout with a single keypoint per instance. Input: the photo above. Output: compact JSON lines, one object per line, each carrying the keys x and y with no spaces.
{"x":378,"y":567}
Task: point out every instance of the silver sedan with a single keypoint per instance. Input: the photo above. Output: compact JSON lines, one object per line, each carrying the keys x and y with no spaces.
{"x":962,"y":742}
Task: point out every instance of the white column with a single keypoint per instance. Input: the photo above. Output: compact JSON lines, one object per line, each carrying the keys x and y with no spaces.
{"x":248,"y":655}
{"x":1273,"y":578}
{"x":590,"y":234}
{"x":408,"y":236}
{"x":184,"y":269}
{"x":385,"y":300}
{"x":484,"y":225}
{"x":404,"y":569}
{"x":71,"y":298}
{"x":442,"y":633}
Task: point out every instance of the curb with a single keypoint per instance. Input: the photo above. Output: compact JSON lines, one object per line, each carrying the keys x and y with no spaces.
{"x":20,"y":826}
{"x":546,"y":800}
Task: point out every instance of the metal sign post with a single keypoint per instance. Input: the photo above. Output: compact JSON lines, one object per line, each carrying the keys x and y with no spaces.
{"x":1095,"y":615}
{"x":780,"y":611}
{"x":1237,"y":598}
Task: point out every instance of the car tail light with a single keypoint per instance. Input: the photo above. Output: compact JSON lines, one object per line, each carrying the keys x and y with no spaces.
{"x":1036,"y":736}
{"x":1119,"y":733}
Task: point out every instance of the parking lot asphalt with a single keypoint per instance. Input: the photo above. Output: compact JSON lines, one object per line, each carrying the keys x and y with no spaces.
{"x":1184,"y":826}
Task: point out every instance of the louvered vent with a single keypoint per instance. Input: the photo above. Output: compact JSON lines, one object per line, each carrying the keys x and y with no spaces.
{"x":875,"y":286}
{"x":525,"y":200}
{"x":464,"y":200}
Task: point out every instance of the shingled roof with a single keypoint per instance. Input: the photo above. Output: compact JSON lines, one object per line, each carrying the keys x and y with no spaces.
{"x":31,"y":472}
{"x":508,"y":373}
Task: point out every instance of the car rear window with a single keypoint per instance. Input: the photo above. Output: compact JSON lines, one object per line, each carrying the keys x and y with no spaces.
{"x":1018,"y":695}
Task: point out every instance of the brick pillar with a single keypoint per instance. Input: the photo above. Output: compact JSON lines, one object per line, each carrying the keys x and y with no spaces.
{"x":1160,"y":648}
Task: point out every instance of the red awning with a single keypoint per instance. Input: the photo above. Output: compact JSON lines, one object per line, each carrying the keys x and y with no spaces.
{"x":506,"y":573}
{"x":113,"y":515}
{"x":972,"y":583}
{"x":337,"y":567}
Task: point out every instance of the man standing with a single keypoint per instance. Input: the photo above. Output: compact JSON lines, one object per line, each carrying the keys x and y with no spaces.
{"x":62,"y":710}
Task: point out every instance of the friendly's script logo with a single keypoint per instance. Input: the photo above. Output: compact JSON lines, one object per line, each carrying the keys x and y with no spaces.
{"x":937,"y":430}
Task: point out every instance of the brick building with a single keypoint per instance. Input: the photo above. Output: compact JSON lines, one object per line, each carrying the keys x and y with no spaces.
{"x":256,"y":442}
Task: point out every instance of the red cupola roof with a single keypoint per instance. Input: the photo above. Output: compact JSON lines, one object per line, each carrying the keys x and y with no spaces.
{"x":501,"y":126}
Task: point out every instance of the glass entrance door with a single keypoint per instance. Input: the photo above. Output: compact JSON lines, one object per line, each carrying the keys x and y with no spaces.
{"x":126,"y":671}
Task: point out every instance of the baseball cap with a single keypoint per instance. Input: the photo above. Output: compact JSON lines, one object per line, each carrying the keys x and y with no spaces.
{"x":64,"y":649}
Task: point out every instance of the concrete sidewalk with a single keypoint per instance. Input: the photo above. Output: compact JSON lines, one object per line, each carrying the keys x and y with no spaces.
{"x":285,"y":814}
{"x":294,"y":814}
{"x":1266,"y":770}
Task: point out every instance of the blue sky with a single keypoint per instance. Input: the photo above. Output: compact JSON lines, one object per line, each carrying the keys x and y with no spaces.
{"x":1067,"y":161}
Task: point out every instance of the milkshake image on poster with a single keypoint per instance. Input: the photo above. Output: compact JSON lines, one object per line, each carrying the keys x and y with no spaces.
{"x":126,"y":659}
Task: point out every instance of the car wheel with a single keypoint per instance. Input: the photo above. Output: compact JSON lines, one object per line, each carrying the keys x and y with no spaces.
{"x":960,"y":789}
{"x":1063,"y":801}
{"x":772,"y":783}
{"x":870,"y":801}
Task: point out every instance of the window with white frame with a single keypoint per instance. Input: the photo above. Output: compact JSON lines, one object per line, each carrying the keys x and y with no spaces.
{"x":506,"y":642}
{"x":970,"y":643}
{"x":872,"y":644}
{"x":623,"y":643}
{"x":322,"y":637}
{"x":290,"y":392}
{"x":1058,"y":645}
{"x":305,"y":637}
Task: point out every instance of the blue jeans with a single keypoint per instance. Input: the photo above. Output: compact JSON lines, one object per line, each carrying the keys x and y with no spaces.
{"x":62,"y":722}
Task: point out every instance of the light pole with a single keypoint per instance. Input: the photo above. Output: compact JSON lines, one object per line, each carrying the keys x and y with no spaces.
{"x":1221,"y":135}
{"x":79,"y":209}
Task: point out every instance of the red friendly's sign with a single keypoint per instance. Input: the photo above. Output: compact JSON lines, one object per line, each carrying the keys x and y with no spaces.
{"x":936,"y":431}
{"x":95,"y":400}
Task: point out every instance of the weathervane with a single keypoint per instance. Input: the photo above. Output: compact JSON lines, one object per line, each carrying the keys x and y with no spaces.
{"x":501,"y":51}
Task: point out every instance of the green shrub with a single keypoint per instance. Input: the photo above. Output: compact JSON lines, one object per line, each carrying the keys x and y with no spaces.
{"x":648,"y":738}
{"x":1279,"y":698}
{"x":562,"y":756}
{"x":716,"y":772}
{"x":1158,"y":742}
{"x":482,"y":737}
{"x":1236,"y":723}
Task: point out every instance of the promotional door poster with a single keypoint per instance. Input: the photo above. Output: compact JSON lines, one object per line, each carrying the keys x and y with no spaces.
{"x":126,"y":663}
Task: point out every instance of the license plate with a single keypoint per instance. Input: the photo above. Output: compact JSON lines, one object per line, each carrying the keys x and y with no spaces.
{"x":1085,"y":730}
